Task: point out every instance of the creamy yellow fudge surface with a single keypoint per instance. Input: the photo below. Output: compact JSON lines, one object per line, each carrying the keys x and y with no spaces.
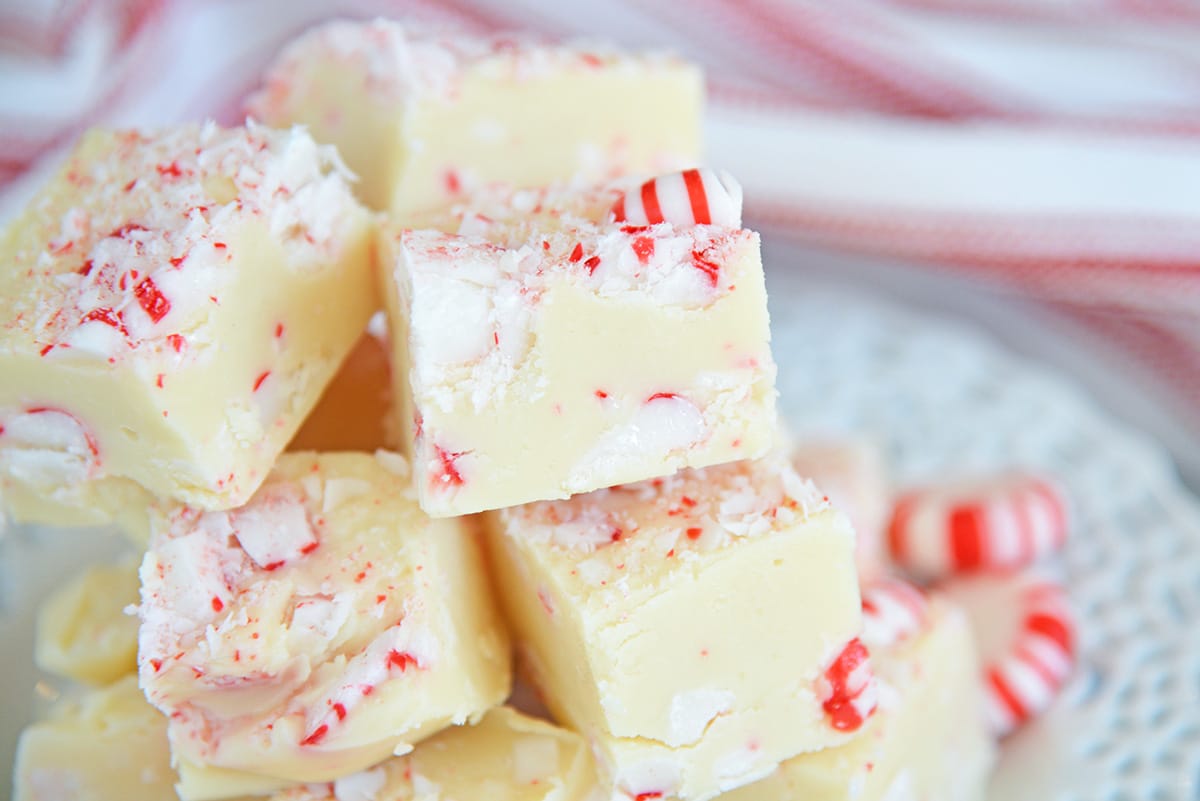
{"x":688,"y":626}
{"x":110,"y":745}
{"x":83,"y":631}
{"x":427,"y":118}
{"x":551,"y":352}
{"x":320,"y":628}
{"x":927,"y":740}
{"x":171,"y":306}
{"x":506,"y":756}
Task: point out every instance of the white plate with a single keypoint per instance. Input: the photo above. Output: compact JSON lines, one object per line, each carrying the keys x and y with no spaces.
{"x":940,"y":398}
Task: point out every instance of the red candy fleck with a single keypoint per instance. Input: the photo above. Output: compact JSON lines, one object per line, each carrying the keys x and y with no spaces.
{"x":309,"y":548}
{"x":171,"y":170}
{"x":156,"y":664}
{"x":591,"y":60}
{"x":158,"y":381}
{"x":592,"y":264}
{"x":258,"y":382}
{"x":106,"y":316}
{"x":643,"y":246}
{"x":694,"y":533}
{"x":152,"y":300}
{"x":45,"y":350}
{"x":577,"y":253}
{"x":617,"y":534}
{"x":278,"y":330}
{"x":688,"y":502}
{"x":176,"y":341}
{"x":648,"y":796}
{"x":449,"y":470}
{"x":661,"y":395}
{"x":453,"y":184}
{"x":402,"y":660}
{"x":318,"y":734}
{"x":176,"y":261}
{"x":217,"y":604}
{"x":339,"y":709}
{"x":273,"y":566}
{"x":86,"y":268}
{"x":129,"y":186}
{"x":119,"y":233}
{"x":840,"y":705}
{"x":601,"y":394}
{"x":706,"y":266}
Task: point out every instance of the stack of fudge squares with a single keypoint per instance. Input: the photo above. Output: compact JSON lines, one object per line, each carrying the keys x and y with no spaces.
{"x":561,"y":452}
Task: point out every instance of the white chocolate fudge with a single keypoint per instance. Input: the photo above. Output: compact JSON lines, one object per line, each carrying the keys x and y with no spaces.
{"x":506,"y":756}
{"x":171,"y":306}
{"x":691,"y":627}
{"x":425,"y":119}
{"x":558,"y":354}
{"x":926,"y":742}
{"x":320,"y":628}
{"x":83,"y":631}
{"x":109,"y":746}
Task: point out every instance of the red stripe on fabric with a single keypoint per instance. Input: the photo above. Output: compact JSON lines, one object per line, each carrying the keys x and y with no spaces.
{"x":697,"y":197}
{"x":1053,"y":627}
{"x":650,"y":202}
{"x":21,"y":155}
{"x":968,"y":529}
{"x":1005,"y":694}
{"x":884,"y":81}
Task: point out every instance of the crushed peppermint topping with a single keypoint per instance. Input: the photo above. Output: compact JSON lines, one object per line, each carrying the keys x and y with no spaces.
{"x":403,"y":61}
{"x":257,"y":600}
{"x":473,"y":300}
{"x":691,"y":511}
{"x":148,"y":238}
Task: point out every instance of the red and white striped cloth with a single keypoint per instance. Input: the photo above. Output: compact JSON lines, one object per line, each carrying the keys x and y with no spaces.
{"x":1049,"y":149}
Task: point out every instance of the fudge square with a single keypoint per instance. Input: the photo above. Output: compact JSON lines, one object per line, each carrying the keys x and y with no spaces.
{"x":507,"y":756}
{"x":426,"y":118}
{"x":553,"y":354}
{"x":698,"y":629}
{"x":171,"y":306}
{"x":926,"y":740}
{"x":320,"y":628}
{"x":107,"y":744}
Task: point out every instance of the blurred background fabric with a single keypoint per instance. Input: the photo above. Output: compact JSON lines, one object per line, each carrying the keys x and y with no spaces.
{"x":1029,"y":165}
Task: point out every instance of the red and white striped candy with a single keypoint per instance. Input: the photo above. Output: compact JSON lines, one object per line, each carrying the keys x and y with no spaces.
{"x":1026,"y":638}
{"x":692,"y":197}
{"x":893,"y":611}
{"x":1001,"y":522}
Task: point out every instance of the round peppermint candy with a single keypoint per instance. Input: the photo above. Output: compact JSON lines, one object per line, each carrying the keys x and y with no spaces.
{"x":893,"y":611}
{"x":693,"y":197}
{"x":1002,"y":522}
{"x":1026,"y":638}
